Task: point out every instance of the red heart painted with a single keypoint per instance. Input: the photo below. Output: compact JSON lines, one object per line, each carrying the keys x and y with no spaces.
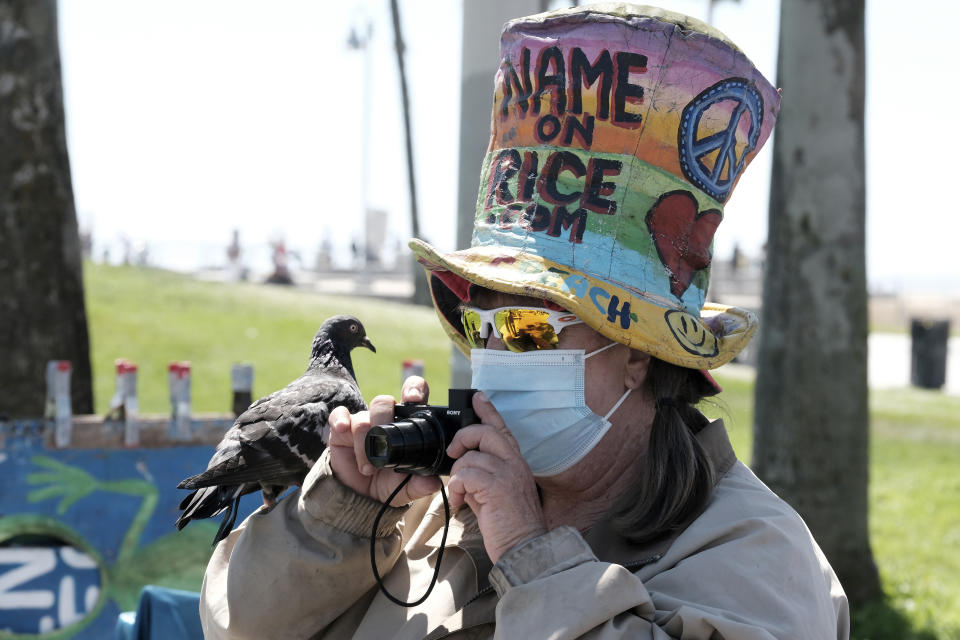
{"x":682,"y":236}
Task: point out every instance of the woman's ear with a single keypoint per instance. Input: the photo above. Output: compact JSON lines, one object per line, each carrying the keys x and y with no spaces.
{"x":636,"y":369}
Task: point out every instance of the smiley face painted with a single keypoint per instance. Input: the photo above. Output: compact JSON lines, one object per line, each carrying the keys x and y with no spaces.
{"x":691,"y":334}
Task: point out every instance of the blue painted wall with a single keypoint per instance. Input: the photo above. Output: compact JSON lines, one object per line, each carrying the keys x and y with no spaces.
{"x":116,"y":506}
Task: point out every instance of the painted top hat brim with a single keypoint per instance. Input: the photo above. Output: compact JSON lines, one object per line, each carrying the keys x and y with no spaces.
{"x":618,"y":133}
{"x":631,"y":317}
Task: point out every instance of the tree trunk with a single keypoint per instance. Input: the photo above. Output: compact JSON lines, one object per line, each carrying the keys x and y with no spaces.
{"x":42,"y":314}
{"x":812,"y":420}
{"x":421,"y":291}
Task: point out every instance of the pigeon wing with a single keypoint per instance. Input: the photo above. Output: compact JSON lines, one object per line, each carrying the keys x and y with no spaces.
{"x":334,"y":386}
{"x":277,"y":452}
{"x":271,"y":444}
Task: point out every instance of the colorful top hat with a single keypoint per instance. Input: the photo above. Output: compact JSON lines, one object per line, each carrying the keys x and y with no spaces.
{"x":618,"y":133}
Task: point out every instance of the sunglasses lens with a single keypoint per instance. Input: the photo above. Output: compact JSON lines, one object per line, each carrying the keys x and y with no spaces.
{"x":472,"y":325}
{"x":525,"y":329}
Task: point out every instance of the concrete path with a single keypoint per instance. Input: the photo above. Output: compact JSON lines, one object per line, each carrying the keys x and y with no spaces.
{"x":888,"y":362}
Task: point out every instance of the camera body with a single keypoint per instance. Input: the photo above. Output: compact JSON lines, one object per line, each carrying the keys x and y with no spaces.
{"x":417,"y":439}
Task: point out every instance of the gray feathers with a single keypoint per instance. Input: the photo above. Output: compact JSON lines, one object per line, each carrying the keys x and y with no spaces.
{"x":275,"y":442}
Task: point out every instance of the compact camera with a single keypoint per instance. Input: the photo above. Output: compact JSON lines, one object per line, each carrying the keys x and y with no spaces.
{"x":417,"y":439}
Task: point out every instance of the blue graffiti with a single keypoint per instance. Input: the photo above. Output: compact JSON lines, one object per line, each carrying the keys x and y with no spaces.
{"x":718,"y":180}
{"x":613,"y":311}
{"x":83,"y":530}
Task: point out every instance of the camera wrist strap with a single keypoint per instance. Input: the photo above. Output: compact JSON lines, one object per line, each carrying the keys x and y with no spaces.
{"x":373,"y":544}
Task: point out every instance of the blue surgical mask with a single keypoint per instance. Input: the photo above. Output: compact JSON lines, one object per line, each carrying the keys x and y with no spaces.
{"x":540,"y":396}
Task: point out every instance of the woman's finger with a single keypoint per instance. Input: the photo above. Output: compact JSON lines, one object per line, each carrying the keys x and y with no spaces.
{"x":418,"y":487}
{"x":381,"y":411}
{"x":415,"y":389}
{"x":343,"y":459}
{"x":467,"y":482}
{"x":479,"y":460}
{"x":488,"y":414}
{"x":486,"y":438}
{"x":339,"y":422}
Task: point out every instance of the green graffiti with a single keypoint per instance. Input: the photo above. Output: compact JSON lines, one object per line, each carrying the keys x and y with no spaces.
{"x":73,"y":484}
{"x":176,"y":560}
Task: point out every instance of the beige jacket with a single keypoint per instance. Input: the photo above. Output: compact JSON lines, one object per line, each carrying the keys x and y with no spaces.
{"x":746,"y":568}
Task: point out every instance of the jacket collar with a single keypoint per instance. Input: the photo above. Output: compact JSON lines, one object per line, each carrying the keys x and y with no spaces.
{"x":610,"y":546}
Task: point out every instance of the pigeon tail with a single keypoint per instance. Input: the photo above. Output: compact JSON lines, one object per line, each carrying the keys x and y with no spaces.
{"x":228,"y":521}
{"x":208,"y":502}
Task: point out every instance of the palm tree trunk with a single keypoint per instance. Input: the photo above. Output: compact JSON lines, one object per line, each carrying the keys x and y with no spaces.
{"x":811,"y":419}
{"x":42,"y":313}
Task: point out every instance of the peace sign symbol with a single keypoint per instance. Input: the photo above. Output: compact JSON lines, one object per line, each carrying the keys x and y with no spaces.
{"x":718,"y":180}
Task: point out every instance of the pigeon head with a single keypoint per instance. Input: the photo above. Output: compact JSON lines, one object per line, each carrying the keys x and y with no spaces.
{"x":337,"y":337}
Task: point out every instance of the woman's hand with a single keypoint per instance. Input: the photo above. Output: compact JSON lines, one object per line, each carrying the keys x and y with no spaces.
{"x":349,"y":459}
{"x":492,"y":478}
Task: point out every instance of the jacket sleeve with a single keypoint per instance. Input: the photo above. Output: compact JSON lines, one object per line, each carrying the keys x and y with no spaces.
{"x":291,"y":571}
{"x":555,"y":586}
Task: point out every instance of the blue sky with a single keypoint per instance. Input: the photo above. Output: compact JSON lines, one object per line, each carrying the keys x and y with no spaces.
{"x":188,"y":118}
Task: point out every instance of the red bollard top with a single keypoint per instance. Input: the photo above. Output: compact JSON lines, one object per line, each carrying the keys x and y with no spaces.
{"x":125,"y":366}
{"x":180,"y":369}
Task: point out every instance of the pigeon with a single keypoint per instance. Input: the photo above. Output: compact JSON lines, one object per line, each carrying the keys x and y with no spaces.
{"x":274,"y":443}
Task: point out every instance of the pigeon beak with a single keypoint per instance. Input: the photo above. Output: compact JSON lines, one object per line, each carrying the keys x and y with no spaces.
{"x":369,"y":345}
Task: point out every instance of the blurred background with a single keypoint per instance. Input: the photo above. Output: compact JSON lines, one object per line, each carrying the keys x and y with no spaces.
{"x":188,"y":121}
{"x":218,"y":145}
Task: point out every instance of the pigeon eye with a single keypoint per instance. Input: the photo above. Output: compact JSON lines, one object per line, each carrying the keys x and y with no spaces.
{"x":353,"y":328}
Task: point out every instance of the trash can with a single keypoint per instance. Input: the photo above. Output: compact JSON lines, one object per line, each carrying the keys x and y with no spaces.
{"x":928,"y":352}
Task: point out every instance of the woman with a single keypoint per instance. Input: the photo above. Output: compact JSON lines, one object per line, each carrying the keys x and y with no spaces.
{"x":591,"y":499}
{"x":575,"y":553}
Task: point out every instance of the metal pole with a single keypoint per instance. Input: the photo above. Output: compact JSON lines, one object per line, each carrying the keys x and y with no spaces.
{"x":365,"y":176}
{"x":482,"y":22}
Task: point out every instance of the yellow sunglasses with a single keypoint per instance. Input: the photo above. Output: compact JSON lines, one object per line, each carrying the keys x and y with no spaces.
{"x":520,"y":328}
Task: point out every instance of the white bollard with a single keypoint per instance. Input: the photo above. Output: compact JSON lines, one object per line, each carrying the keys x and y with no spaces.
{"x":179,"y":379}
{"x":412,"y":368}
{"x":58,"y":405}
{"x":126,"y":398}
{"x":119,"y":390}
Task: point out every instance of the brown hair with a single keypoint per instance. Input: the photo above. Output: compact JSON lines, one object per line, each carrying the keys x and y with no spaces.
{"x":677,"y":476}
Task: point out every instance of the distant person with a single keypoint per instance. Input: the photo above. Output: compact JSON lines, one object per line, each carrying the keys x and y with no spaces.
{"x":324,"y":259}
{"x":737,"y":260}
{"x":281,"y":270}
{"x":141,"y":254}
{"x":234,"y":254}
{"x":591,"y":499}
{"x":127,"y":250}
{"x":356,"y":253}
{"x":86,"y":243}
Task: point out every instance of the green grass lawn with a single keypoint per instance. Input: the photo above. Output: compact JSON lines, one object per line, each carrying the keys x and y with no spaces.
{"x":153,"y":318}
{"x":914,"y":506}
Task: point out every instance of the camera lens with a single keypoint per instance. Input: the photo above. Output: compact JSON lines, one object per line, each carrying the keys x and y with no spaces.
{"x":378,"y":446}
{"x":415,"y":444}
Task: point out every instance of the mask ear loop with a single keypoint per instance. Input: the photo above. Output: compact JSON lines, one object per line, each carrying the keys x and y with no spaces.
{"x":618,"y":403}
{"x":373,"y":545}
{"x":625,"y":393}
{"x":603,"y":348}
